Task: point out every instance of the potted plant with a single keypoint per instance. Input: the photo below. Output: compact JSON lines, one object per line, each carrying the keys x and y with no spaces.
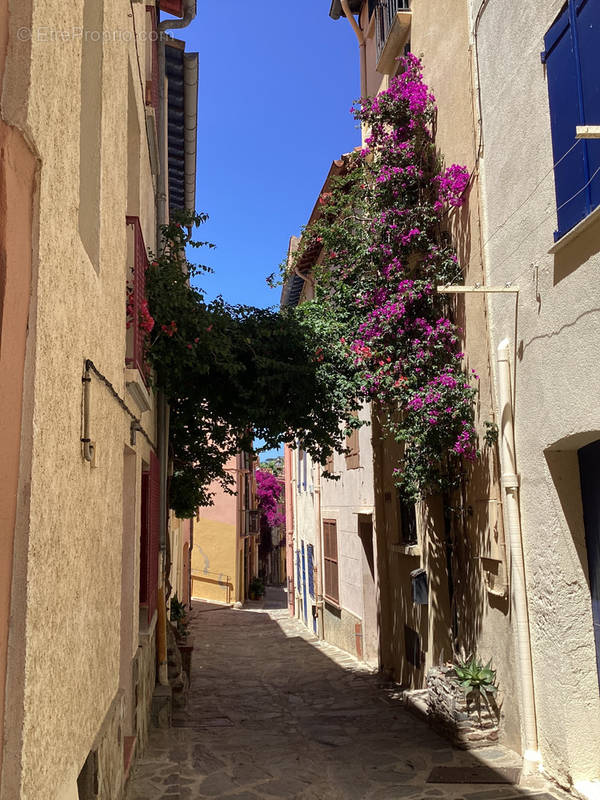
{"x":461,"y":702}
{"x":256,"y":589}
{"x":179,"y":616}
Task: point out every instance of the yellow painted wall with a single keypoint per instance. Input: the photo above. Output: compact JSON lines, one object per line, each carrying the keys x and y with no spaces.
{"x":215,"y":561}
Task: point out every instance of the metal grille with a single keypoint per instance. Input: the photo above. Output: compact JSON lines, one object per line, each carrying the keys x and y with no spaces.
{"x":386,"y":13}
{"x":137,"y":266}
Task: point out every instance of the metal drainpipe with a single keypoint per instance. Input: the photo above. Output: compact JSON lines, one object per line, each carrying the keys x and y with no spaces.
{"x":362,"y":44}
{"x":510,"y":484}
{"x":319,"y":550}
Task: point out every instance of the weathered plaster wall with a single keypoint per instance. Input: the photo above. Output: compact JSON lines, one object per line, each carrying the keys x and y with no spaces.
{"x":67,"y":589}
{"x":557,"y":380}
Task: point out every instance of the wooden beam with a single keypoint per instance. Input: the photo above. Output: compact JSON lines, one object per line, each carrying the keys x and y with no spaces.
{"x":477,"y":289}
{"x":587,"y":132}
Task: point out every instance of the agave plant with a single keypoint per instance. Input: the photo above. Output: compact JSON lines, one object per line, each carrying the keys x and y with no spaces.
{"x":474,"y":678}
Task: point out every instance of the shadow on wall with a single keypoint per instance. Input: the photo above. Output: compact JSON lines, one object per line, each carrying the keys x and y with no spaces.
{"x":573,"y":256}
{"x":563,"y":465}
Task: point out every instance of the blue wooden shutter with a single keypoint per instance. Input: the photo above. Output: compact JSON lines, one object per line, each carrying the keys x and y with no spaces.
{"x":588,"y":39}
{"x":565,"y":115}
{"x":310,"y":552}
{"x":298,"y":569}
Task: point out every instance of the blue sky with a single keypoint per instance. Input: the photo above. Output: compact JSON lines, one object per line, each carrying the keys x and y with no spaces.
{"x":277,"y":80}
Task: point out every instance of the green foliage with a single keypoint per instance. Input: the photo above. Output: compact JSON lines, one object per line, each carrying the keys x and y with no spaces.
{"x":257,"y":587}
{"x":476,"y":679}
{"x":233,"y":373}
{"x":179,"y":617}
{"x":178,"y":610}
{"x":490,"y":436}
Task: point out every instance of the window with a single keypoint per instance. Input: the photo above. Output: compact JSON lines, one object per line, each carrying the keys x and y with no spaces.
{"x":137,"y":311}
{"x":408,"y":521}
{"x":310,"y":555}
{"x":574,"y":97}
{"x":150,"y":537}
{"x":329,"y":465}
{"x":330,"y":561}
{"x":352,"y":445}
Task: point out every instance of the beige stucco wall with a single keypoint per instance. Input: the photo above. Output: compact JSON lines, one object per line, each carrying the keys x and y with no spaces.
{"x":557,"y":379}
{"x":65,"y":631}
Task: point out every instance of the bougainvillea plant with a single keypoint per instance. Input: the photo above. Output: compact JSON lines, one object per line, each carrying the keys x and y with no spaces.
{"x":384,"y":251}
{"x":268,"y":492}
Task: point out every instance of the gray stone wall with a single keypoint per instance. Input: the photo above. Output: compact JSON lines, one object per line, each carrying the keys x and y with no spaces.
{"x":467,"y":724}
{"x":109,"y":747}
{"x":144,"y":686}
{"x":339,"y":629}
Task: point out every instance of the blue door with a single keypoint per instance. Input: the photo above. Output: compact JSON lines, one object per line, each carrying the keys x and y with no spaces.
{"x":310,"y":553}
{"x":589,"y":468}
{"x":298,"y":570}
{"x":304,"y":585}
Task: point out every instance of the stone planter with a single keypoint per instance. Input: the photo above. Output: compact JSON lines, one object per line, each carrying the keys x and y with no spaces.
{"x":186,"y":659}
{"x":448,"y":712}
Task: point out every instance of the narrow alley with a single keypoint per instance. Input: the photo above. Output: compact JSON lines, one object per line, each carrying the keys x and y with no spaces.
{"x":273,"y":712}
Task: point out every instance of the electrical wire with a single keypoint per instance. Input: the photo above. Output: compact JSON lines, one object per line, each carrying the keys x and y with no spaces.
{"x":547,"y":216}
{"x":533,"y":191}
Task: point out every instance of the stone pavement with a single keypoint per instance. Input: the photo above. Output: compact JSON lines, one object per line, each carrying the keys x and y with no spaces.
{"x":273,"y":713}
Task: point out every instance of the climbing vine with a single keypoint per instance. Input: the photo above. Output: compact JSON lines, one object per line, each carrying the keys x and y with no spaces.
{"x":268,"y":493}
{"x":384,"y":250}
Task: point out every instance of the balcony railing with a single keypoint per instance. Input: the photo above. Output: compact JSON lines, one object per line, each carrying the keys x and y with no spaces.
{"x":392,"y":24}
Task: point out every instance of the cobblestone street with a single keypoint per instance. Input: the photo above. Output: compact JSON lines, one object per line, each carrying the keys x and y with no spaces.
{"x":273,"y":713}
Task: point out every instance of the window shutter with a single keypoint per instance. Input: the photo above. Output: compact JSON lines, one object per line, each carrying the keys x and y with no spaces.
{"x":150,"y":536}
{"x":137,"y":264}
{"x":298,"y":570}
{"x":588,"y":38}
{"x":352,"y":444}
{"x":310,"y":554}
{"x":330,"y":560}
{"x":570,"y":174}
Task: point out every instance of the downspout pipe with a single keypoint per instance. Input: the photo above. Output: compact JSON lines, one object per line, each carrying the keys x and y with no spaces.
{"x":318,"y":554}
{"x":510,"y":486}
{"x":362,"y":44}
